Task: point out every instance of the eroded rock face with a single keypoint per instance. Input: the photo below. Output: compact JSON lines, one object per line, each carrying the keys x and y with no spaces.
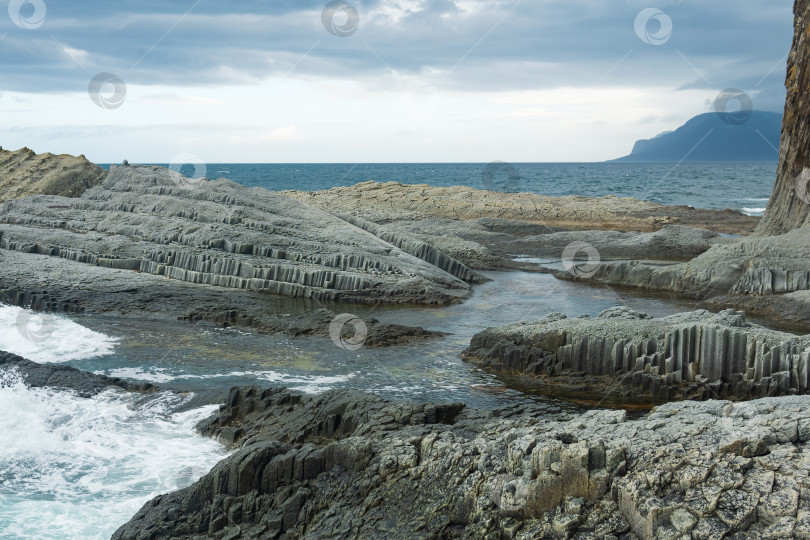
{"x":690,"y":355}
{"x":24,"y":173}
{"x":789,"y":206}
{"x":346,"y":464}
{"x":153,"y":221}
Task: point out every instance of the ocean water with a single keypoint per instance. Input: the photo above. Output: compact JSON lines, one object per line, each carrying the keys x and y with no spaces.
{"x":740,"y":186}
{"x":73,"y":467}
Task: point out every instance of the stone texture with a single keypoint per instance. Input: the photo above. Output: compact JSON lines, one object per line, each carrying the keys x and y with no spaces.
{"x":153,"y":221}
{"x":349,"y":464}
{"x":393,"y":201}
{"x":56,"y":285}
{"x":493,"y":243}
{"x":24,"y":173}
{"x":787,"y":209}
{"x":763,"y":266}
{"x":58,"y":376}
{"x":696,"y":355}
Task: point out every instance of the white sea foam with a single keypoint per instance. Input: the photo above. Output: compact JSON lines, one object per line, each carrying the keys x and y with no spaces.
{"x":79,"y":468}
{"x":753,"y":211}
{"x":49,"y":338}
{"x":309,"y":384}
{"x":153,"y":375}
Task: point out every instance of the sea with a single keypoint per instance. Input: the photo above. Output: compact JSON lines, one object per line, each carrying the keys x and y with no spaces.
{"x":74,"y":467}
{"x":740,"y":186}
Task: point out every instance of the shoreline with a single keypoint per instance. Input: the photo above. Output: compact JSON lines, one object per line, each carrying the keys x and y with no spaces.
{"x":146,"y":242}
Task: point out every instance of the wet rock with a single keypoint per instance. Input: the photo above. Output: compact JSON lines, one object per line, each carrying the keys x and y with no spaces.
{"x":57,"y":376}
{"x":698,"y":355}
{"x":346,"y":463}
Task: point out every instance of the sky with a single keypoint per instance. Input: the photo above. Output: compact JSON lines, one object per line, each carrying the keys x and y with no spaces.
{"x":302,"y":81}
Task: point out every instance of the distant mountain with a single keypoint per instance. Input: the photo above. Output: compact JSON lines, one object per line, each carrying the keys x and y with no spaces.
{"x":709,"y":137}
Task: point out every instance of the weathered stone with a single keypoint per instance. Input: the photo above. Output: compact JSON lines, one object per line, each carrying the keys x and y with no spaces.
{"x":24,"y":173}
{"x":154,"y":221}
{"x":579,"y":347}
{"x":380,"y":467}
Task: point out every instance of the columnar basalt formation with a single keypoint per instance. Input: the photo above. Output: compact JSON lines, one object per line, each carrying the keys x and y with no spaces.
{"x":151,"y":220}
{"x":346,"y":464}
{"x":690,"y":355}
{"x":757,"y":265}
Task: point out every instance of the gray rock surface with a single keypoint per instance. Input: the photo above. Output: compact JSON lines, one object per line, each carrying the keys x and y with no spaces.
{"x":491,"y":244}
{"x":56,"y":285}
{"x":757,"y":265}
{"x":696,"y":355}
{"x":486,"y":230}
{"x":350,"y":465}
{"x":755,"y":274}
{"x":65,"y":377}
{"x":153,"y":221}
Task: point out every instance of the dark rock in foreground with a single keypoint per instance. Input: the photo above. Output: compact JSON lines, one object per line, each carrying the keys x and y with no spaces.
{"x":695,"y":355}
{"x":57,"y":376}
{"x":350,"y":465}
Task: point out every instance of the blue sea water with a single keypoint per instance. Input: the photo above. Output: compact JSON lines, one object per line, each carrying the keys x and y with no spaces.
{"x":739,"y":186}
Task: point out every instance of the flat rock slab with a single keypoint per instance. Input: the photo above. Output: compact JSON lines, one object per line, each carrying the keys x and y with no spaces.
{"x":394,"y":201}
{"x":154,"y":221}
{"x":696,"y":355}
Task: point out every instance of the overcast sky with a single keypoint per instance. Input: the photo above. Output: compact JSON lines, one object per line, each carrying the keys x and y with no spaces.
{"x":377,"y":81}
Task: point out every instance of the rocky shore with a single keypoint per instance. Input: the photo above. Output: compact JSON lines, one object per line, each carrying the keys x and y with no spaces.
{"x":385,"y":202}
{"x":154,"y":221}
{"x":696,"y":355}
{"x":350,"y":464}
{"x":65,"y":377}
{"x":346,"y":464}
{"x":487,"y":230}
